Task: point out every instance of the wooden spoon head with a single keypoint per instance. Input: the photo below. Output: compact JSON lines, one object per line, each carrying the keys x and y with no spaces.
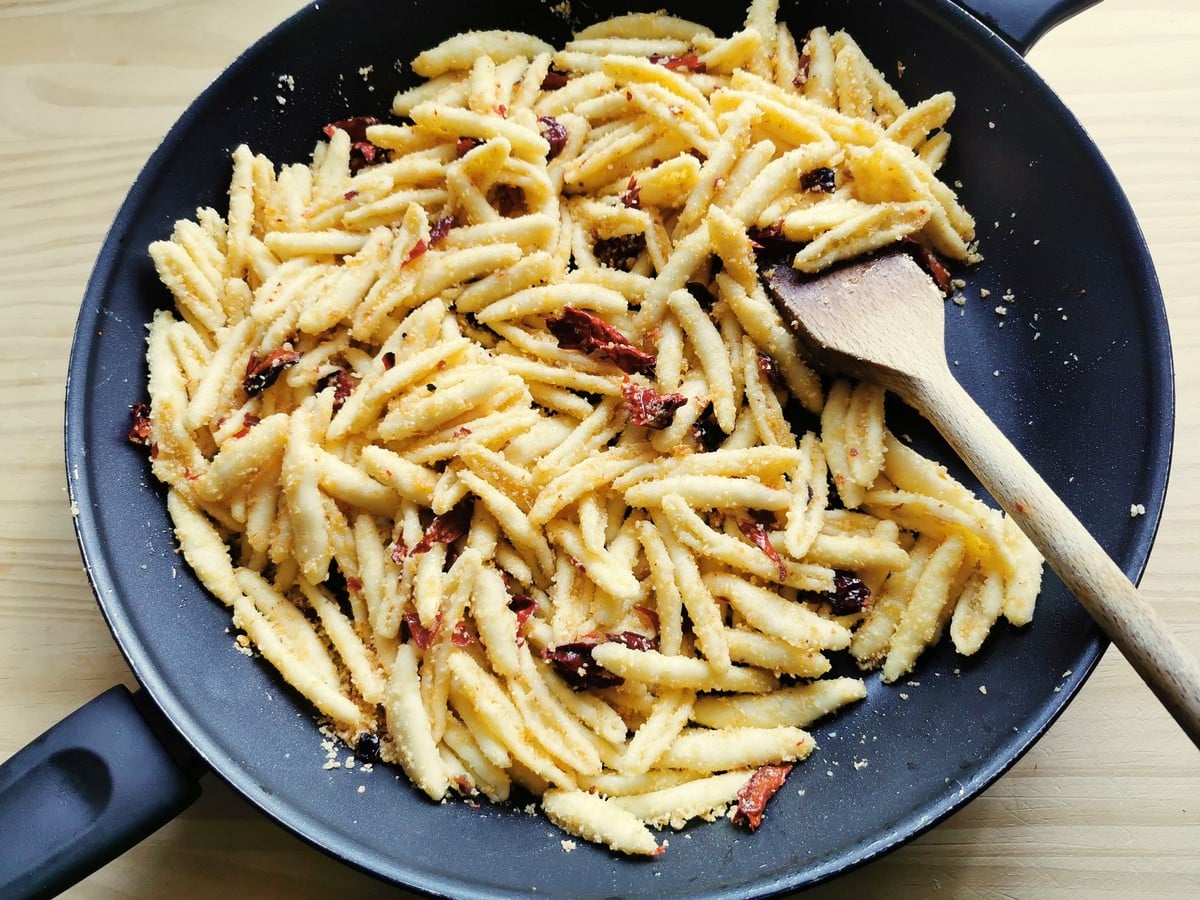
{"x":881,"y":318}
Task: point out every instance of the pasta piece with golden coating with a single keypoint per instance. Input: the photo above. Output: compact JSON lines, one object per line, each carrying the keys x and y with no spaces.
{"x":696,"y":798}
{"x":680,"y":672}
{"x":409,"y":726}
{"x":657,"y":733}
{"x":595,"y":819}
{"x":349,"y":646}
{"x":326,"y":698}
{"x":706,"y":750}
{"x":797,"y":706}
{"x":976,"y":611}
{"x":203,"y":548}
{"x":460,"y":51}
{"x":927,"y":610}
{"x":774,"y":615}
{"x":501,"y":718}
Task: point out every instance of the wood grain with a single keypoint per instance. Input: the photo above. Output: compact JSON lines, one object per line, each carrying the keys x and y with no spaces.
{"x":1106,"y":805}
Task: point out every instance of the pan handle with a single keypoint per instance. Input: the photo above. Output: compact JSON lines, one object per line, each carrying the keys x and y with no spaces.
{"x":1022,"y":22}
{"x":87,"y":790}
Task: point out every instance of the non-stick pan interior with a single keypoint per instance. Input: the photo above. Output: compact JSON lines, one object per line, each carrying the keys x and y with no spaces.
{"x":1077,"y":373}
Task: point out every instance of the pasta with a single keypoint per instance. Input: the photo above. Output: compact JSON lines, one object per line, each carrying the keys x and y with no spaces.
{"x":482,"y":424}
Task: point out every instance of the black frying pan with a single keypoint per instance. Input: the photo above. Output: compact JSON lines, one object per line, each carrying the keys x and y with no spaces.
{"x":1090,"y":403}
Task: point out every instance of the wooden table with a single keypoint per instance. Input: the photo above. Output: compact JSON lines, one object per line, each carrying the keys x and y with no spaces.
{"x":1107,"y":804}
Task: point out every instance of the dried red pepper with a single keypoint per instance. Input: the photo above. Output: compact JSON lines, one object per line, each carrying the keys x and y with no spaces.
{"x":139,"y":429}
{"x":578,"y":668}
{"x":554,"y":80}
{"x":707,"y":432}
{"x":524,"y":606}
{"x":632,"y":195}
{"x":424,"y":637}
{"x":440,"y":229}
{"x":262,"y":372}
{"x":508,"y":199}
{"x":555,"y":134}
{"x":802,"y":68}
{"x":758,"y":535}
{"x":770,"y":370}
{"x":576,"y":329}
{"x":355,"y":126}
{"x":931,"y":263}
{"x":248,"y":422}
{"x":417,"y":633}
{"x":650,"y":617}
{"x":850,"y":594}
{"x":650,"y":408}
{"x":769,"y":237}
{"x":418,"y":250}
{"x":620,"y":252}
{"x":446,"y":528}
{"x":362,"y":152}
{"x":755,"y":794}
{"x":342,"y":384}
{"x":465,"y":145}
{"x":688,"y":63}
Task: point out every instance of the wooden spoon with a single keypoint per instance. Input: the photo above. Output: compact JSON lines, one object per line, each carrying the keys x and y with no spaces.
{"x":882,"y":320}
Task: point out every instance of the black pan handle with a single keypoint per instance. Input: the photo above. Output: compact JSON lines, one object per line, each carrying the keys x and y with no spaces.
{"x":1022,"y":22}
{"x":87,"y":790}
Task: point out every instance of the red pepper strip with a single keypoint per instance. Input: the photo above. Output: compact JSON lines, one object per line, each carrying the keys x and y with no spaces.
{"x":755,"y":793}
{"x":446,"y":528}
{"x":579,"y":330}
{"x":761,"y":538}
{"x":650,"y":408}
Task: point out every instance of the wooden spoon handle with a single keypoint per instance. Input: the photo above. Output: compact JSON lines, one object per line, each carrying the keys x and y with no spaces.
{"x":1097,"y":582}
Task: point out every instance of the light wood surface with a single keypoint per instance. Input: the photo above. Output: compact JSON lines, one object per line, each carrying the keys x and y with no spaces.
{"x":1106,"y":805}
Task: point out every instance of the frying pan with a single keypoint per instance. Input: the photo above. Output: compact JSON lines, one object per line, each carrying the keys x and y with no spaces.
{"x":1090,"y":402}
